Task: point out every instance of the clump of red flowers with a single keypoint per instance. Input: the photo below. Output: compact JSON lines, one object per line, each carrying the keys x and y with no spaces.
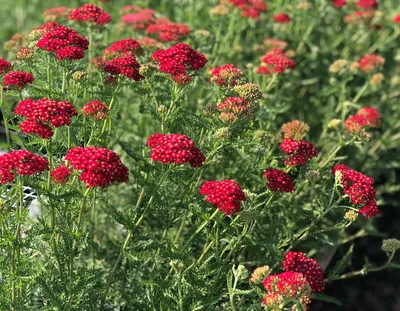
{"x":396,"y":19}
{"x":275,"y":61}
{"x":60,"y":174}
{"x":282,"y":18}
{"x":226,"y":75}
{"x":295,"y":130}
{"x":367,"y":4}
{"x":70,"y":53}
{"x":372,"y":115}
{"x":250,"y":8}
{"x":169,"y":31}
{"x":58,"y":37}
{"x":17,"y":80}
{"x":5,"y":66}
{"x":287,"y":288}
{"x":278,"y":180}
{"x":140,"y":18}
{"x":100,"y":166}
{"x":360,"y":189}
{"x":356,"y":124}
{"x":339,"y":3}
{"x":179,"y":59}
{"x":309,"y":267}
{"x":121,"y":48}
{"x":272,"y":43}
{"x":21,"y":162}
{"x":226,"y":195}
{"x":54,"y":14}
{"x":126,"y":66}
{"x":91,"y":14}
{"x":370,"y":62}
{"x":299,"y":152}
{"x":234,"y":107}
{"x":362,"y":17}
{"x":96,"y":109}
{"x":42,"y":113}
{"x":174,"y":148}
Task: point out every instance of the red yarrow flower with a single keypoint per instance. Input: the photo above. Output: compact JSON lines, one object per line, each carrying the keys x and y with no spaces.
{"x":295,"y":130}
{"x":372,"y":115}
{"x":179,"y":59}
{"x":36,"y":127}
{"x":273,"y":43}
{"x":125,"y":47}
{"x":396,"y":19}
{"x":278,"y":180}
{"x":54,"y":14}
{"x":299,"y":152}
{"x":60,"y":175}
{"x":277,"y":61}
{"x":225,"y":195}
{"x":370,"y":62}
{"x":5,"y":66}
{"x":250,"y":8}
{"x":356,"y":124}
{"x":91,"y":14}
{"x":140,"y":19}
{"x":126,"y":66}
{"x":174,"y":148}
{"x":59,"y":37}
{"x":226,"y":75}
{"x":362,"y":17}
{"x":70,"y":53}
{"x":339,"y":3}
{"x":96,"y":109}
{"x":99,"y":167}
{"x":17,"y":80}
{"x":367,"y":4}
{"x":309,"y":267}
{"x":169,"y":32}
{"x":234,"y":107}
{"x":282,"y":18}
{"x":150,"y":43}
{"x":21,"y":162}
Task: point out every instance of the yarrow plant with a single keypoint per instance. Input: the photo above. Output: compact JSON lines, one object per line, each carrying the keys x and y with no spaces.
{"x":183,"y":156}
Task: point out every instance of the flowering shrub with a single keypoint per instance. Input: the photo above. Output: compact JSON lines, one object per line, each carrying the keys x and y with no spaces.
{"x":215,"y":161}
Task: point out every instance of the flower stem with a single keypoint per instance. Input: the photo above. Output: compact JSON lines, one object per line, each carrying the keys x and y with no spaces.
{"x":5,"y":120}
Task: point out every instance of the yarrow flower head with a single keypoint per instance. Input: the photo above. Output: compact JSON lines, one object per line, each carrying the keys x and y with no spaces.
{"x":367,"y":4}
{"x":140,"y":19}
{"x":17,"y":80}
{"x":272,"y":43}
{"x":356,"y":124}
{"x":147,"y":42}
{"x":36,"y":127}
{"x":295,"y":130}
{"x":250,"y":8}
{"x":286,"y":289}
{"x":360,"y":189}
{"x":99,"y":167}
{"x":278,"y":180}
{"x":249,"y":91}
{"x":21,"y":162}
{"x":226,"y":75}
{"x":57,"y":13}
{"x":370,"y":62}
{"x":96,"y":109}
{"x":5,"y":66}
{"x":61,"y":174}
{"x":89,"y":13}
{"x":259,"y":274}
{"x":339,"y":3}
{"x":126,"y":66}
{"x":309,"y":267}
{"x":234,"y":107}
{"x":169,"y":31}
{"x":70,"y":53}
{"x":372,"y":115}
{"x":24,"y":54}
{"x":225,"y":195}
{"x":396,"y":19}
{"x":275,"y":61}
{"x":299,"y":152}
{"x":174,"y":148}
{"x":282,"y":18}
{"x":125,"y":47}
{"x":179,"y":59}
{"x":360,"y":17}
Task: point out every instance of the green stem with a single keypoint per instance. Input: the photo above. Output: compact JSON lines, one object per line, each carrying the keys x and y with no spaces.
{"x":5,"y":120}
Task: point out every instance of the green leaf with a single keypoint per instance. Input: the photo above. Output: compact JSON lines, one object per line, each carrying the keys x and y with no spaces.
{"x":394,"y":265}
{"x":326,"y":298}
{"x":343,"y":263}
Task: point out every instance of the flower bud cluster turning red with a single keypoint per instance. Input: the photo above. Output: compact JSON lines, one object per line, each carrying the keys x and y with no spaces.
{"x":226,"y":75}
{"x":250,"y":8}
{"x":96,"y":109}
{"x":299,"y":152}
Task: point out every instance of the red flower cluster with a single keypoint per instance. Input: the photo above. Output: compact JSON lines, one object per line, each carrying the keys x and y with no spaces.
{"x":363,"y":17}
{"x":57,"y":38}
{"x":54,"y":14}
{"x":286,"y":285}
{"x":309,"y":267}
{"x":299,"y":152}
{"x":140,"y":19}
{"x":226,"y":75}
{"x":356,"y":124}
{"x":179,"y":59}
{"x":21,"y":162}
{"x":250,"y":8}
{"x":174,"y":148}
{"x":122,"y":48}
{"x":339,"y":3}
{"x":282,"y":18}
{"x":150,"y":42}
{"x":372,"y":114}
{"x":169,"y":31}
{"x":5,"y":66}
{"x":100,"y":166}
{"x":43,"y":113}
{"x":226,"y":195}
{"x":396,"y":19}
{"x":17,"y":80}
{"x":275,"y":60}
{"x":96,"y":109}
{"x":370,"y":62}
{"x":360,"y":189}
{"x":60,"y":174}
{"x":278,"y":180}
{"x":234,"y":107}
{"x":70,"y":53}
{"x":126,"y":66}
{"x":91,"y":14}
{"x":367,"y":4}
